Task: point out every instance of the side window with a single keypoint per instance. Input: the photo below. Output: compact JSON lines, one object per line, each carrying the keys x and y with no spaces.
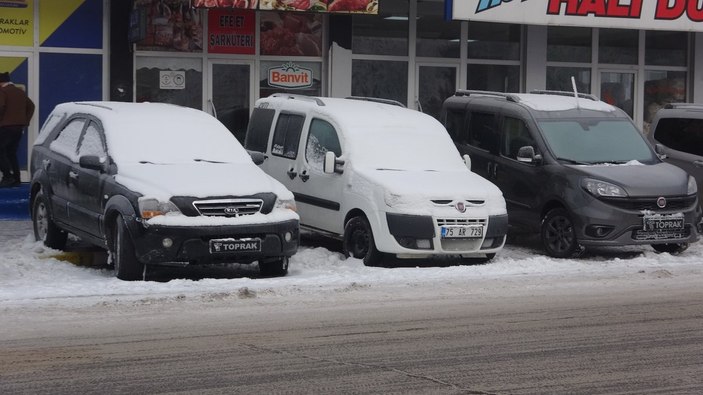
{"x":483,"y":133}
{"x":455,"y":126}
{"x":92,"y":143}
{"x":516,"y":135}
{"x":286,"y":136}
{"x":48,"y":127}
{"x":258,"y":131}
{"x":681,"y":134}
{"x":66,"y":143}
{"x":321,"y":138}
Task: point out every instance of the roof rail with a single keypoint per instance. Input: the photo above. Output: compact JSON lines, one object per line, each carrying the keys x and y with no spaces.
{"x":377,"y":100}
{"x":565,"y":93}
{"x":299,"y":97}
{"x":509,"y":96}
{"x":94,"y":104}
{"x":695,"y":106}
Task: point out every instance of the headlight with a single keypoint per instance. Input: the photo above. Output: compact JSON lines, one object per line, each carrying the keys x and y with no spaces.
{"x":150,"y":208}
{"x":602,"y":189}
{"x":692,"y":186}
{"x":286,"y":204}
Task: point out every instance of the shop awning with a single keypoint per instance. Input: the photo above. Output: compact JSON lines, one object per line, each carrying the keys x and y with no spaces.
{"x":328,"y":6}
{"x":684,"y":15}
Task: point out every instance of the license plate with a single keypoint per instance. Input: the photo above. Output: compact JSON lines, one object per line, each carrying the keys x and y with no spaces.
{"x":462,"y":232}
{"x":230,"y":246}
{"x":663,"y":224}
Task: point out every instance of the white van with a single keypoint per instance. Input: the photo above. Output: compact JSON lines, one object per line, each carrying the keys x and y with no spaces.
{"x":381,"y":177}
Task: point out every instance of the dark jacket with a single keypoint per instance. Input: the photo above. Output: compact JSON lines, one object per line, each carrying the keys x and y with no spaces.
{"x":15,"y":107}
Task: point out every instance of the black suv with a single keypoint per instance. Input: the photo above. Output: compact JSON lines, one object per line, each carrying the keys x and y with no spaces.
{"x":677,"y":132}
{"x":157,"y":184}
{"x":574,"y":169}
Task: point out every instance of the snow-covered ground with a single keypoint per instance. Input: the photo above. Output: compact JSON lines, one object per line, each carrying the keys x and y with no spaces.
{"x":32,"y":275}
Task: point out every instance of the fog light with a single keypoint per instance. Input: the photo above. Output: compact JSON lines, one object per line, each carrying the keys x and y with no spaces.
{"x":424,"y":244}
{"x":487,"y":243}
{"x":599,"y":231}
{"x":167,"y":242}
{"x":287,"y":236}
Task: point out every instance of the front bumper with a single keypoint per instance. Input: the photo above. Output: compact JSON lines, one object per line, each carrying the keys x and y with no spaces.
{"x":190,"y":244}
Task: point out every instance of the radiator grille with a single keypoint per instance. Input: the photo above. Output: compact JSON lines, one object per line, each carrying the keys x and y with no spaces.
{"x":228,"y":207}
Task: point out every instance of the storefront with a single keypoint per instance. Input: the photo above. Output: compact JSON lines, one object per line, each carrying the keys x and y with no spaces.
{"x":221,"y":55}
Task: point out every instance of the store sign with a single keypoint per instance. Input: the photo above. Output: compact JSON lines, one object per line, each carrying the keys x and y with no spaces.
{"x":16,"y":22}
{"x":290,"y":76}
{"x":683,"y":15}
{"x":172,"y":79}
{"x":232,"y":31}
{"x":332,"y":6}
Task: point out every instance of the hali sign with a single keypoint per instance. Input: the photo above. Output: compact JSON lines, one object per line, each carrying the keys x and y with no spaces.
{"x":684,"y":15}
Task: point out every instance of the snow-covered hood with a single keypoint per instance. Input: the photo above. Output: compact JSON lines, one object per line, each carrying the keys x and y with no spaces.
{"x":661,"y":179}
{"x":198,"y":179}
{"x":448,"y":184}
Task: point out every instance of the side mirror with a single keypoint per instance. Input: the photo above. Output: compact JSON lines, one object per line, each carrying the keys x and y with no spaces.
{"x":660,"y":151}
{"x":257,"y":157}
{"x":467,"y":161}
{"x":527,"y":154}
{"x":92,"y":162}
{"x":331,"y":162}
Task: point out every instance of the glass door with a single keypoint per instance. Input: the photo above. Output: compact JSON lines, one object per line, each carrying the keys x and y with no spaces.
{"x":19,"y":66}
{"x":230,"y":99}
{"x":618,"y":88}
{"x":434,"y":84}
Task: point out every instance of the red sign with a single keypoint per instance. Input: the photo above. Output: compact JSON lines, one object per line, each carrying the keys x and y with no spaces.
{"x":231,"y":31}
{"x":250,"y":4}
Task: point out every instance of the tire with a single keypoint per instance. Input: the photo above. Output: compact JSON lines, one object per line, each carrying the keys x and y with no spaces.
{"x":359,"y":242}
{"x":123,"y":255}
{"x":558,"y":234}
{"x":45,"y":229}
{"x":274,"y":268}
{"x":671,"y":248}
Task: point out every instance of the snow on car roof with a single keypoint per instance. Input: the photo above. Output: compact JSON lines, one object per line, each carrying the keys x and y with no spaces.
{"x":542,"y":102}
{"x":161,"y":133}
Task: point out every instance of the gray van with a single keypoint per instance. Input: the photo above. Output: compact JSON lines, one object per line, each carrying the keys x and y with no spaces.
{"x":574,"y":169}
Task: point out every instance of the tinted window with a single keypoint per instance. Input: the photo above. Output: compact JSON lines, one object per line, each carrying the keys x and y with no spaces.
{"x":516,"y":135}
{"x":66,"y":142}
{"x":681,"y":134}
{"x":455,"y":126}
{"x":287,"y":135}
{"x":321,"y":139}
{"x":482,"y":132}
{"x":91,"y":143}
{"x":258,"y":131}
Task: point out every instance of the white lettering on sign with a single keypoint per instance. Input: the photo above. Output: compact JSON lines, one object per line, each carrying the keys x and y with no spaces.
{"x":290,"y":76}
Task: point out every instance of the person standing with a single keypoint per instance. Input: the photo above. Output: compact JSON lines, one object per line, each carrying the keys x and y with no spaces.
{"x":16,"y":110}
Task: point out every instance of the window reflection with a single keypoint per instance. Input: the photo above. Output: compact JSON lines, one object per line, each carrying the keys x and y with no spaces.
{"x":568,"y":44}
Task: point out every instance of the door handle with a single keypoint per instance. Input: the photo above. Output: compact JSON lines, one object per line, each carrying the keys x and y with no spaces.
{"x":304,"y":176}
{"x":46,"y":163}
{"x":72,"y":175}
{"x":291,"y":173}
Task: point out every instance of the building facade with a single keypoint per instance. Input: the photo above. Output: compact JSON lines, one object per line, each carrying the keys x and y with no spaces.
{"x":221,"y":59}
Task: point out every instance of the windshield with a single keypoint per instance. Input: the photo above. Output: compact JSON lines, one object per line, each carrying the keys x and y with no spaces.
{"x":406,"y":149}
{"x":593,"y":141}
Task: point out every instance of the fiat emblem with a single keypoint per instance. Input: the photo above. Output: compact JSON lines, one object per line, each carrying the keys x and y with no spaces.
{"x":460,"y":207}
{"x":231,"y":211}
{"x":661,"y":202}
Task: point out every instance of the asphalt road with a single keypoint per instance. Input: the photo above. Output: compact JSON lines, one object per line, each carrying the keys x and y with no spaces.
{"x":646,"y":337}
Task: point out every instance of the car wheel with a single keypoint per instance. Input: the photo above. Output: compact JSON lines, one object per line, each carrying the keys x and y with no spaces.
{"x":558,"y":235}
{"x":359,"y":243}
{"x":671,"y":248}
{"x":274,"y":268}
{"x":124,"y":258}
{"x":45,"y":229}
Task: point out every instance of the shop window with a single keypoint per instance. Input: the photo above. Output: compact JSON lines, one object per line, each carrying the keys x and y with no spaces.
{"x":491,"y":77}
{"x":170,"y":80}
{"x":170,"y":25}
{"x":436,"y":37}
{"x":291,"y":34}
{"x":569,"y":44}
{"x":661,"y":88}
{"x":258,"y":130}
{"x":382,"y":34}
{"x":666,"y":48}
{"x":79,"y":26}
{"x":618,"y":46}
{"x":559,"y":79}
{"x":380,"y":78}
{"x":286,"y":137}
{"x":498,"y":41}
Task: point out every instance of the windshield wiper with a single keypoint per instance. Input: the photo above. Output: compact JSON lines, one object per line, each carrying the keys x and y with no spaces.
{"x":611,"y":162}
{"x":206,"y":160}
{"x":573,"y":162}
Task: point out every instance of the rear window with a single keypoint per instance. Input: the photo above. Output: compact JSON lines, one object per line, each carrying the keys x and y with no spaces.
{"x":681,"y":134}
{"x":455,"y":126}
{"x":258,"y":131}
